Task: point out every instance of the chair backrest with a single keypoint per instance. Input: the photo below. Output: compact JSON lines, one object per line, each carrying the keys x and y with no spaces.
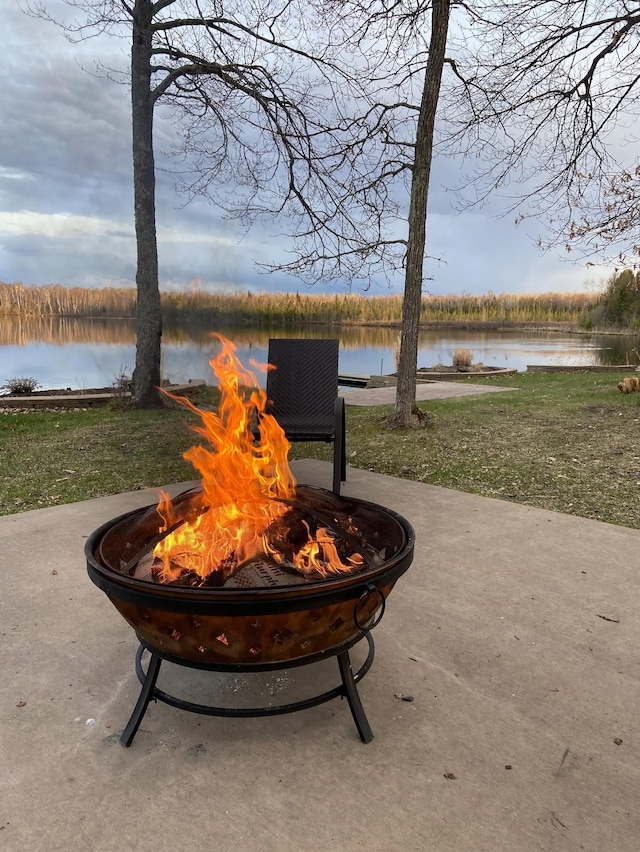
{"x":304,"y":384}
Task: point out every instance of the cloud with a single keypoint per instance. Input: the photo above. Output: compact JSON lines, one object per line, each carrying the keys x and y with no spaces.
{"x":62,"y":225}
{"x":66,"y":198}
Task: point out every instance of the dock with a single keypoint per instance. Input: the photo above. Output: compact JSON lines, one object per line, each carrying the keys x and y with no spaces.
{"x":87,"y":399}
{"x":351,"y":380}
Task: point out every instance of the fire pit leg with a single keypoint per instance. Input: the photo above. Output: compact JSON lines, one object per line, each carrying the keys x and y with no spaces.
{"x":146,"y":695}
{"x":351,"y":692}
{"x":347,"y":689}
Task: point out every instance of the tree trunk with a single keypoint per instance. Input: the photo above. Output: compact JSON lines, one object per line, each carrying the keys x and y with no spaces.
{"x":146,"y":376}
{"x":404,"y":415}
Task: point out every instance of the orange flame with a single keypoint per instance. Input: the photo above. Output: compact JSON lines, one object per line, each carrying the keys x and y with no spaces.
{"x":244,"y":482}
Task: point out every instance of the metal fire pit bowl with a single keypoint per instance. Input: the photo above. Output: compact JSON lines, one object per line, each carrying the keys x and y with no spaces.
{"x":258,"y":628}
{"x":257,"y":625}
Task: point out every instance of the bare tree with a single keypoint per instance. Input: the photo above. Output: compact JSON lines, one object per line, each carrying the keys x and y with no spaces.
{"x":552,"y":108}
{"x":406,"y":413}
{"x":537,"y":93}
{"x":396,"y":137}
{"x":541,"y":94}
{"x":266,"y":111}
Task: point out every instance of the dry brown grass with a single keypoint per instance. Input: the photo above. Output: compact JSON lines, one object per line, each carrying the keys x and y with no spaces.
{"x":462,"y":359}
{"x":289,"y":309}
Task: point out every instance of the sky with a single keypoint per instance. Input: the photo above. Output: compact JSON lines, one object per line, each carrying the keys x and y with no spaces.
{"x":66,"y":198}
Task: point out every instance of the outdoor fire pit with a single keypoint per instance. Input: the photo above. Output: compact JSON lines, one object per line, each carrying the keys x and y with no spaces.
{"x":251,"y":572}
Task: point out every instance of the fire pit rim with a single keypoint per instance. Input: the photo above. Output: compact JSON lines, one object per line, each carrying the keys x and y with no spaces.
{"x":259,"y":600}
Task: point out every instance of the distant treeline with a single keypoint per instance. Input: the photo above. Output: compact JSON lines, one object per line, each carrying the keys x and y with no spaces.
{"x":290,"y":309}
{"x":619,"y":305}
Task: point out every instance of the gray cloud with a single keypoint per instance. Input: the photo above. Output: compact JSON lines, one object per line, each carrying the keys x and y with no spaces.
{"x":66,"y":194}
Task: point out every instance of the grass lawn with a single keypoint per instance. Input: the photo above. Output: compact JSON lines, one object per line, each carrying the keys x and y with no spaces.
{"x":564,"y":441}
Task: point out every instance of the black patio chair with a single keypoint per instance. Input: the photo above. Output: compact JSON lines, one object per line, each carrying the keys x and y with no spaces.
{"x":302,"y":390}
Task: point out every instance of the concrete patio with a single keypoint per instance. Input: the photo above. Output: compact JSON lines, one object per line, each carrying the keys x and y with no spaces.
{"x":515,"y":631}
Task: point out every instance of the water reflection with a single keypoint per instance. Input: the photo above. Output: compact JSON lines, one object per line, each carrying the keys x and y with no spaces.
{"x":60,"y":331}
{"x":87,"y":353}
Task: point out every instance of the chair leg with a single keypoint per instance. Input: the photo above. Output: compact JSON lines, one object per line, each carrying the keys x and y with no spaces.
{"x":339,"y":446}
{"x":343,"y":461}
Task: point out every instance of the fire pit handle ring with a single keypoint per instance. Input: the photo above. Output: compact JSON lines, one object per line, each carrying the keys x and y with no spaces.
{"x":368,"y":590}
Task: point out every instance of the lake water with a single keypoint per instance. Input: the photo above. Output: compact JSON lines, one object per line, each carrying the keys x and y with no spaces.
{"x":92,"y":353}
